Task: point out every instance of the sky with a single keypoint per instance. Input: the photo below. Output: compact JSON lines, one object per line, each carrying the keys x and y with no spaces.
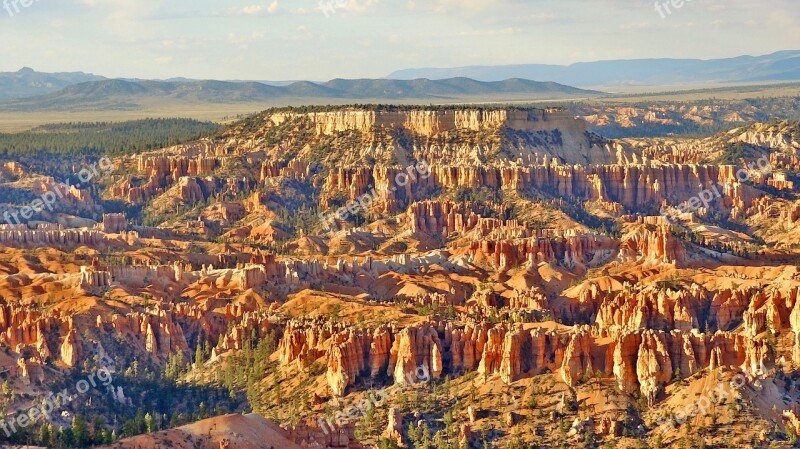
{"x":320,"y":40}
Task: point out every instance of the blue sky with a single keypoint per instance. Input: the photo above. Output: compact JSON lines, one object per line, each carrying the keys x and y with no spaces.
{"x":294,"y":39}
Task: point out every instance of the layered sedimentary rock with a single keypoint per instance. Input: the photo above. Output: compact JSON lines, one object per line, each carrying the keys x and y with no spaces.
{"x":577,"y":362}
{"x":93,"y":278}
{"x":160,"y":334}
{"x":324,"y":435}
{"x":438,"y":217}
{"x":26,"y":238}
{"x":653,"y":365}
{"x":166,"y":169}
{"x":163,"y":172}
{"x":394,"y":429}
{"x":303,"y":342}
{"x":114,"y":223}
{"x":533,"y":299}
{"x":568,"y":249}
{"x":415,"y":351}
{"x":431,"y":123}
{"x":649,"y":308}
{"x":654,"y":244}
{"x":70,"y":349}
{"x":550,"y":268}
{"x":633,"y":186}
{"x":347,"y":358}
{"x":642,"y":361}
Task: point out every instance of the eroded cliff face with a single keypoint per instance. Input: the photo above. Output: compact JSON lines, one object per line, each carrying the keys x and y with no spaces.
{"x":640,"y":360}
{"x":343,"y":155}
{"x":471,"y":136}
{"x":634,"y":187}
{"x":431,"y":123}
{"x":643,"y":340}
{"x":519,"y":252}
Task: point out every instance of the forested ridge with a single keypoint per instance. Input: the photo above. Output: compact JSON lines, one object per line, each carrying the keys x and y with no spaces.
{"x":103,"y":138}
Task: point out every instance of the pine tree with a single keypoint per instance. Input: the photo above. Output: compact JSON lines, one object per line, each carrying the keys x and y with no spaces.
{"x":44,"y":434}
{"x":198,"y":356}
{"x":413,"y":435}
{"x":139,"y":421}
{"x":80,"y":431}
{"x":149,"y":423}
{"x":202,"y":411}
{"x":426,"y":436}
{"x":98,"y":429}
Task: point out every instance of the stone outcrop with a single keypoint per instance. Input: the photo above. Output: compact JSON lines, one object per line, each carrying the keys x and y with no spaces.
{"x":394,"y":429}
{"x":633,"y":186}
{"x":324,"y":435}
{"x":303,"y":343}
{"x":415,"y":350}
{"x":68,"y":238}
{"x":640,"y":360}
{"x":430,"y":123}
{"x":577,"y":364}
{"x":70,"y":349}
{"x":652,"y":245}
{"x":649,"y":308}
{"x":158,"y":333}
{"x":114,"y":223}
{"x":569,"y":250}
{"x":347,"y":359}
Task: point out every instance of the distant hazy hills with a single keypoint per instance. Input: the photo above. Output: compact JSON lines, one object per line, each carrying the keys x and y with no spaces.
{"x":27,"y":82}
{"x":28,"y":90}
{"x":131,"y":94}
{"x":780,"y":66}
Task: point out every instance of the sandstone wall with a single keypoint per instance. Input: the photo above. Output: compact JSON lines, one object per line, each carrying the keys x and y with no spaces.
{"x":430,"y":123}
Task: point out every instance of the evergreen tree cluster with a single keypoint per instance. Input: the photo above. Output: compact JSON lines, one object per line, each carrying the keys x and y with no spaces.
{"x":103,"y":138}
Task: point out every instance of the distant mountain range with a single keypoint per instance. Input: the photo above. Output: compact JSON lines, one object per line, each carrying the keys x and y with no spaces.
{"x":27,"y":82}
{"x":131,"y":94}
{"x":28,"y":90}
{"x":780,"y":66}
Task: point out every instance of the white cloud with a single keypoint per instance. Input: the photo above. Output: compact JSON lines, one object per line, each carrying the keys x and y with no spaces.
{"x":255,"y":10}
